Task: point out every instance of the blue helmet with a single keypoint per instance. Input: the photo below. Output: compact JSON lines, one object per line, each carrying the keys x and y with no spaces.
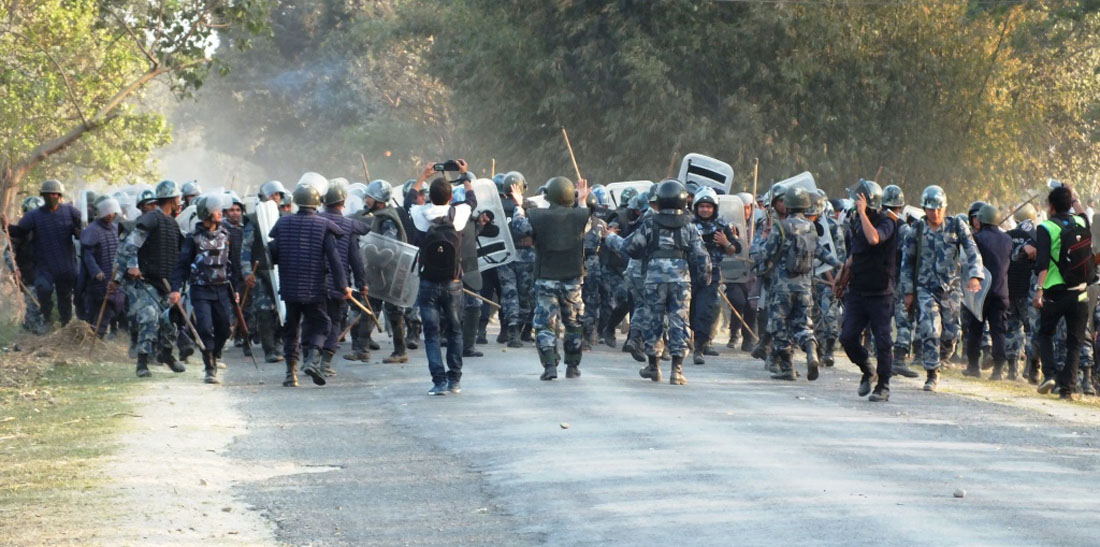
{"x":603,"y":197}
{"x":458,"y":195}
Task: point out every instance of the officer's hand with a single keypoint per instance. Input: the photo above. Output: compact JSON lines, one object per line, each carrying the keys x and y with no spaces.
{"x":250,"y":281}
{"x":111,"y":288}
{"x":462,"y":166}
{"x":99,"y":276}
{"x":347,"y":293}
{"x":974,"y":285}
{"x":721,"y":239}
{"x":134,"y":273}
{"x":517,"y":194}
{"x":908,"y":303}
{"x":174,"y":297}
{"x":1030,"y":251}
{"x":861,"y":204}
{"x":483,"y":218}
{"x":1037,"y":302}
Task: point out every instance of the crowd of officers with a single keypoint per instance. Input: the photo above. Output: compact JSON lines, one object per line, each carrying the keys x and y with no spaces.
{"x":891,"y":284}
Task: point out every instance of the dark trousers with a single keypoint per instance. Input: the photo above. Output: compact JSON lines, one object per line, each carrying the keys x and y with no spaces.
{"x":93,"y":300}
{"x":440,"y":304}
{"x":337,"y":310}
{"x":45,"y":286}
{"x":1056,"y":305}
{"x":738,"y":295}
{"x":995,"y":314}
{"x":876,"y":313}
{"x":213,"y":315}
{"x":307,"y":324}
{"x":704,"y":310}
{"x":490,"y":289}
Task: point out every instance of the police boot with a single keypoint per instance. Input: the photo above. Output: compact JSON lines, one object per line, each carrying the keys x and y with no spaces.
{"x":549,"y":359}
{"x":771,"y":362}
{"x":651,"y":371}
{"x":291,"y":379}
{"x":469,"y":331}
{"x":786,"y":367}
{"x":312,"y":358}
{"x":326,"y":363}
{"x":609,"y":338}
{"x":811,"y":360}
{"x":761,"y":349}
{"x":697,"y":355}
{"x":166,"y":358}
{"x":746,"y":344}
{"x":525,"y":335}
{"x":998,"y":369}
{"x":482,"y":336}
{"x":708,"y":350}
{"x":1086,"y":382}
{"x":513,"y":337}
{"x":973,"y":369}
{"x":133,"y":342}
{"x":1032,"y":371}
{"x":870,"y":376}
{"x":900,"y":368}
{"x":210,"y":368}
{"x":827,"y":355}
{"x":502,"y":337}
{"x":143,"y":365}
{"x":412,"y":335}
{"x":932,"y":380}
{"x":676,"y":377}
{"x":636,"y":349}
{"x":987,"y":358}
{"x":572,"y":365}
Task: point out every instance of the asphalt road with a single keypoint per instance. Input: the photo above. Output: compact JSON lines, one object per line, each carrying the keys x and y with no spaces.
{"x":733,"y":458}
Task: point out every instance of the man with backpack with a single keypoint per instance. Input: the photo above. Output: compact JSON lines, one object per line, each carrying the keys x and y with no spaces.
{"x":930,"y":268}
{"x":672,"y":256}
{"x":791,"y":248}
{"x":440,"y":297}
{"x":1064,"y":264}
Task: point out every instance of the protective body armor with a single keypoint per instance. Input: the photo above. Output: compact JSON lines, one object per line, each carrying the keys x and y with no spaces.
{"x":667,"y":240}
{"x":259,"y":255}
{"x":158,"y":255}
{"x":53,"y":237}
{"x":211,"y":263}
{"x":344,"y":247}
{"x":799,"y":246}
{"x":103,"y":243}
{"x":302,"y":264}
{"x":236,"y":240}
{"x":559,"y":236}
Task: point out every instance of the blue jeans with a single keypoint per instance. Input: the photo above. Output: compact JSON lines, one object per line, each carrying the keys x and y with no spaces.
{"x":444,"y":300}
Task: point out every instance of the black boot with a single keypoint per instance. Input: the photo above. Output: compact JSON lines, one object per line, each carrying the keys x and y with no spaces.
{"x":881,"y":394}
{"x":869,"y":378}
{"x":998,"y":370}
{"x":811,"y":360}
{"x":412,"y":335}
{"x":482,"y":336}
{"x":973,"y":369}
{"x":697,"y":355}
{"x":651,"y":371}
{"x":987,"y":358}
{"x":513,"y":337}
{"x":1086,"y":382}
{"x":636,"y":348}
{"x":932,"y":380}
{"x":470,"y":318}
{"x":312,"y":358}
{"x":525,"y":335}
{"x":326,"y":364}
{"x":1013,"y":373}
{"x":676,"y":378}
{"x":143,"y":365}
{"x":899,"y":367}
{"x":291,"y":379}
{"x":166,"y":358}
{"x":549,"y":360}
{"x":210,"y":368}
{"x":786,"y":367}
{"x":502,"y":337}
{"x":1033,"y":370}
{"x":830,"y":348}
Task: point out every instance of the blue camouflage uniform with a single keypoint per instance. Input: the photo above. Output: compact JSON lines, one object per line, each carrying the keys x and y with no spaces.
{"x":931,"y":276}
{"x":827,"y":317}
{"x":704,"y":294}
{"x":261,"y":303}
{"x":591,"y":290}
{"x":153,"y":248}
{"x":205,"y":266}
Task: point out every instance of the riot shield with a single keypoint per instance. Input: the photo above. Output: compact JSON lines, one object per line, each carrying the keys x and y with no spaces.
{"x":801,"y":180}
{"x":539,"y":201}
{"x":267,"y":213}
{"x":494,"y":245}
{"x":825,"y":239}
{"x":913,"y":212}
{"x":189,"y":218}
{"x":975,"y":301}
{"x":735,"y":268}
{"x":391,"y":269}
{"x":706,"y":171}
{"x":616,"y":190}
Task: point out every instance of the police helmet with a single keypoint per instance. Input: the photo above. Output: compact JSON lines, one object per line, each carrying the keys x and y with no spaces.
{"x":270,"y":188}
{"x":167,"y":189}
{"x":671,"y":194}
{"x":108,"y":206}
{"x":746,"y":198}
{"x":498,"y":181}
{"x":776,"y":193}
{"x":52,"y":186}
{"x":603,"y":197}
{"x":705,"y":195}
{"x":190,"y":188}
{"x":933,"y":197}
{"x":32,"y":203}
{"x":870,"y":190}
{"x":307,"y":196}
{"x":796,"y":198}
{"x":357,"y":189}
{"x":639,"y":203}
{"x":514,"y":177}
{"x":336,"y":193}
{"x":626,"y":195}
{"x":380,"y":190}
{"x":231,"y":199}
{"x":988,"y":214}
{"x":560,"y":190}
{"x":1027,"y":212}
{"x":316,"y":180}
{"x":817,"y":203}
{"x":892,"y":196}
{"x":145,"y":197}
{"x":207,"y":204}
{"x":972,"y":211}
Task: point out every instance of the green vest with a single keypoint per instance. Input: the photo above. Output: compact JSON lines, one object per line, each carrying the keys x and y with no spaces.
{"x":1054,"y":276}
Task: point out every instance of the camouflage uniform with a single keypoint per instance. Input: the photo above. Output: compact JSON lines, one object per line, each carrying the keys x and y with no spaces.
{"x":1022,"y":319}
{"x":903,"y":319}
{"x":704,"y":294}
{"x":667,"y":281}
{"x":941,"y":251}
{"x":261,"y":299}
{"x":517,"y":284}
{"x":591,"y":289}
{"x":32,"y":317}
{"x":148,"y":312}
{"x":790,"y":293}
{"x":614,"y":289}
{"x":827,"y":311}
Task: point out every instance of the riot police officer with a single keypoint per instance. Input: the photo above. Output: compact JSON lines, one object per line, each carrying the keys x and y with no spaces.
{"x":720,"y":242}
{"x":52,"y":229}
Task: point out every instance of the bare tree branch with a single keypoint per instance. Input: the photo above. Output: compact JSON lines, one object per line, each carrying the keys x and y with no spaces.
{"x":130,"y":31}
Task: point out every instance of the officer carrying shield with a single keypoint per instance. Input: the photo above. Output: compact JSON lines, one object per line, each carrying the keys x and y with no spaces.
{"x":995,"y":247}
{"x":351,"y":263}
{"x":262,"y":296}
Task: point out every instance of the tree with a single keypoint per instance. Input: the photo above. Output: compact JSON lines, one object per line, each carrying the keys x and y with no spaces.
{"x":73,"y":73}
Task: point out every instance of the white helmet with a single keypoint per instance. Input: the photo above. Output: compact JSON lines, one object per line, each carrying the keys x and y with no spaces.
{"x":314,"y":180}
{"x":106,"y":207}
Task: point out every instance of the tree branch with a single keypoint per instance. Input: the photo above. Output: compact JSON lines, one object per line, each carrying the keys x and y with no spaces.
{"x":64,"y":77}
{"x":130,"y":31}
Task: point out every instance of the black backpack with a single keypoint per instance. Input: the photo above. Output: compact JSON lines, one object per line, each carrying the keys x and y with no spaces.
{"x":1075,"y":255}
{"x":439,"y":253}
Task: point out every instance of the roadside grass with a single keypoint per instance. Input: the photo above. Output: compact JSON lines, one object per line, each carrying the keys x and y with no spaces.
{"x":1007,"y":391}
{"x":54,"y":429}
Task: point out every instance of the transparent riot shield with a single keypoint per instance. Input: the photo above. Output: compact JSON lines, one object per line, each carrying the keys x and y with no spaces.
{"x":539,"y":201}
{"x":616,"y":190}
{"x":706,"y":171}
{"x":801,"y":180}
{"x":189,"y":218}
{"x":825,"y":239}
{"x":494,"y":244}
{"x":391,"y":269}
{"x":737,"y":267}
{"x":913,"y":212}
{"x":267,"y":213}
{"x":975,"y":301}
